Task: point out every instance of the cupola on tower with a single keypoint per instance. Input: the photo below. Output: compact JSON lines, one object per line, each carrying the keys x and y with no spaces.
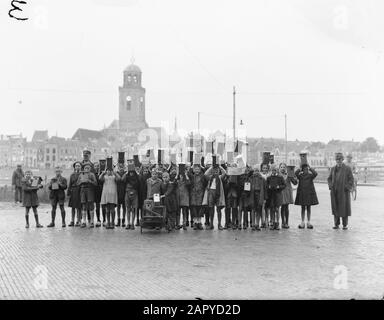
{"x":132,"y":100}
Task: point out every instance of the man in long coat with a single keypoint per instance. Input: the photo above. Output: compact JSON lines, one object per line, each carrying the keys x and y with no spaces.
{"x":340,"y":183}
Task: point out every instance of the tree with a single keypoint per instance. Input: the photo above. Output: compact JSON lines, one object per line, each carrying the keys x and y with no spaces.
{"x":369,"y":145}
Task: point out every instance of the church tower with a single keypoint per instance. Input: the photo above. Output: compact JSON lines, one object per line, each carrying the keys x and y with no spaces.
{"x":132,"y":100}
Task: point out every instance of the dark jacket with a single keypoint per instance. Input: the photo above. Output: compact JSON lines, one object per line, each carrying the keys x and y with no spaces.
{"x":30,"y":198}
{"x":58,"y":194}
{"x":73,"y":191}
{"x":17,"y":178}
{"x":121,"y":185}
{"x":169,"y":191}
{"x":306,"y":192}
{"x":275,"y":184}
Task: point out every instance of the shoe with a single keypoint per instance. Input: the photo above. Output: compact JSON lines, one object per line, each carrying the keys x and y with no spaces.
{"x":71,"y":224}
{"x":253,"y":228}
{"x":187,"y":224}
{"x":184,"y":227}
{"x":83,"y":225}
{"x":220,"y":227}
{"x":77,"y":224}
{"x":51,"y":225}
{"x":128,"y":227}
{"x":286,"y":226}
{"x":27,"y":226}
{"x":257,"y":228}
{"x":98,"y":224}
{"x":123,"y":223}
{"x":104,"y":224}
{"x":245,"y":227}
{"x":263,"y":225}
{"x":309,"y":226}
{"x":137,"y":224}
{"x":301,"y":225}
{"x":277,"y":226}
{"x":39,"y":226}
{"x":195,"y":227}
{"x":63,"y":225}
{"x":345,"y":228}
{"x":132,"y":227}
{"x":178,"y":227}
{"x":118,"y":223}
{"x":200,"y":226}
{"x":335,"y":227}
{"x":91,"y":225}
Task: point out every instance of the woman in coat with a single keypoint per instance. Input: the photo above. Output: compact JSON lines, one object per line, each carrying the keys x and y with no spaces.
{"x":275,"y":185}
{"x":287,"y":194}
{"x":73,"y":192}
{"x":306,"y":193}
{"x":30,"y":198}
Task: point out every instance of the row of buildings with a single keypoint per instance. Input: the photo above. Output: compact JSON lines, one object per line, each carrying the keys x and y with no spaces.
{"x":131,"y":133}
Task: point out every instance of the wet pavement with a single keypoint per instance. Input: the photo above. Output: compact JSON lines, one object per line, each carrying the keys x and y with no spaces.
{"x":75,"y":263}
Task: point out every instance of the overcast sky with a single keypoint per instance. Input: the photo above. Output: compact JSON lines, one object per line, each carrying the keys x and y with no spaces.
{"x":320,"y":62}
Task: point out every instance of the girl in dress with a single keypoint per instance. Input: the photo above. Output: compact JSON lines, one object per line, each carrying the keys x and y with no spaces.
{"x":306,"y":193}
{"x":109,"y":195}
{"x":287,"y":194}
{"x":275,"y":185}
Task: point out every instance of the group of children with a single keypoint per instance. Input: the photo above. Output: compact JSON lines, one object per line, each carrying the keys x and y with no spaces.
{"x":256,"y":198}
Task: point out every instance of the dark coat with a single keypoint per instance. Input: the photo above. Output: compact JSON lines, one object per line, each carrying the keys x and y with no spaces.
{"x":98,"y":188}
{"x":169,"y":191}
{"x":73,"y":191}
{"x":183,"y":190}
{"x":258,"y":186}
{"x":288,"y":190}
{"x":30,"y":198}
{"x":275,"y":185}
{"x":306,"y":192}
{"x":60,"y":193}
{"x":198,"y":184}
{"x":246,"y":197}
{"x":153,"y":186}
{"x":143,"y":188}
{"x":340,"y":183}
{"x":17,"y":178}
{"x":121,"y":185}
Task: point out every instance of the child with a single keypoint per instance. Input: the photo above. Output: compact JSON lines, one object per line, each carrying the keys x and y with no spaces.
{"x":109,"y":195}
{"x":275,"y":184}
{"x":306,"y":193}
{"x":98,"y":189}
{"x":183,"y":186}
{"x":168,"y":194}
{"x":87,"y":182}
{"x":287,"y":194}
{"x":245,"y":198}
{"x":258,"y":198}
{"x":214,"y":194}
{"x":132,"y":185}
{"x":153,"y":184}
{"x":265,"y":213}
{"x":30,"y":199}
{"x":232,"y":201}
{"x":57,"y":187}
{"x":73,"y":192}
{"x":121,"y":186}
{"x":144,"y":175}
{"x":198,"y":184}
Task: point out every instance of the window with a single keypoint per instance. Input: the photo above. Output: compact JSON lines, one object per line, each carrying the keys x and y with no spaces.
{"x":47,"y":150}
{"x":129,"y":78}
{"x":53,"y":150}
{"x":134,"y":79}
{"x":129,"y":102}
{"x":53,"y":158}
{"x":47,"y":158}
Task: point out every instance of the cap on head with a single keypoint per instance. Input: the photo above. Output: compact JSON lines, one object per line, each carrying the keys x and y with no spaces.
{"x":339,"y":155}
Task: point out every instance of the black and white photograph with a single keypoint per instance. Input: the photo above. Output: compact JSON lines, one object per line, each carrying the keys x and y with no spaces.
{"x":191,"y":150}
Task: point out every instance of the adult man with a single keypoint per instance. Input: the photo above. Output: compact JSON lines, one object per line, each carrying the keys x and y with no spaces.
{"x":17,"y":176}
{"x":340,"y":183}
{"x":57,"y":187}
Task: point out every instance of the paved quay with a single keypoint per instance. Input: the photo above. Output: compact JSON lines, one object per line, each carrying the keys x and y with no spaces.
{"x":74,"y":263}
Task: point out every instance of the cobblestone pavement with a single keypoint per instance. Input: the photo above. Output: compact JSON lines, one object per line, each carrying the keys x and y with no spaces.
{"x":120,"y":264}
